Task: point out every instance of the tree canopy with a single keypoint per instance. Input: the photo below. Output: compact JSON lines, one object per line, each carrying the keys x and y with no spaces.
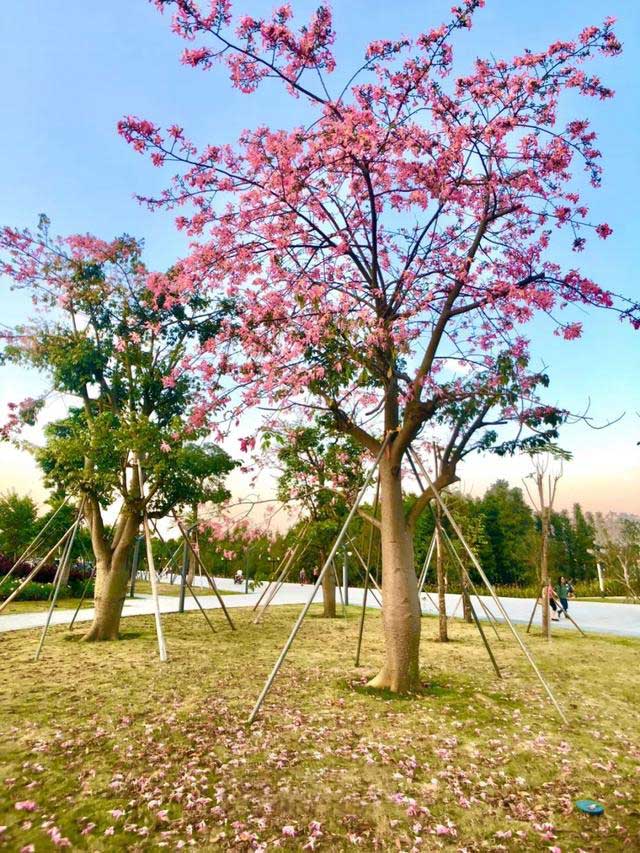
{"x":106,"y":343}
{"x":387,"y":254}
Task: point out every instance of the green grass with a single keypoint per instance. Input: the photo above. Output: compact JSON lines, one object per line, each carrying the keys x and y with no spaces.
{"x":37,"y":606}
{"x":618,"y":599}
{"x":142,"y":755}
{"x":142,"y":587}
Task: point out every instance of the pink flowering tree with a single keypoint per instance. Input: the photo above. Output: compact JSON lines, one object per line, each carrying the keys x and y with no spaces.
{"x":386,"y":256}
{"x":110,"y":349}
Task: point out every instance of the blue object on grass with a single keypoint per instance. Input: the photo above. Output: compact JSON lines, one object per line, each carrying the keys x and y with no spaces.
{"x":590,"y":807}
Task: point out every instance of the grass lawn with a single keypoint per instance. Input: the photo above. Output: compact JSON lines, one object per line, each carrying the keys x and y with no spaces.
{"x":618,"y":599}
{"x":143,"y":587}
{"x":35,"y":606}
{"x":108,"y":748}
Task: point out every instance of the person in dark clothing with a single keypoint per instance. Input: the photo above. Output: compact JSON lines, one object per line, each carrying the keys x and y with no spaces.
{"x":563,"y":594}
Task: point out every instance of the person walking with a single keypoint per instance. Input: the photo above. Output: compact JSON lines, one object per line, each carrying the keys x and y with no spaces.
{"x":549,"y":592}
{"x":563,"y":595}
{"x":303,"y":576}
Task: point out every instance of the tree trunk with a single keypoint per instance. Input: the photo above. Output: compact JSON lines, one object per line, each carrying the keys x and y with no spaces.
{"x":466,"y":603}
{"x":112,"y":574}
{"x":193,"y":563}
{"x":329,"y":593}
{"x":442,"y":602}
{"x":401,"y":612}
{"x":112,"y":578}
{"x":544,"y":575}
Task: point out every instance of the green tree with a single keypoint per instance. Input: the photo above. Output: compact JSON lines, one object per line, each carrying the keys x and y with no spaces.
{"x":510,"y":531}
{"x":322,"y":472}
{"x":562,"y":545}
{"x":18,"y":523}
{"x":105,"y":340}
{"x":584,"y":543}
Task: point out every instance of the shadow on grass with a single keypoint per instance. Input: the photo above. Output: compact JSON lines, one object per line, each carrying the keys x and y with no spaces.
{"x":339,"y":617}
{"x":431,"y":689}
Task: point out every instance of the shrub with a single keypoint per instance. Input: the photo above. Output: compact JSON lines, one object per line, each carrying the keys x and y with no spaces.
{"x":45,"y":575}
{"x":35,"y":591}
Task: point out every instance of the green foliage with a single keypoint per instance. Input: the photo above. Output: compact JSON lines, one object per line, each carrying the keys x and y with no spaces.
{"x":34,"y":591}
{"x":500,"y":389}
{"x":117,"y":349}
{"x":192,"y":475}
{"x":572,"y":538}
{"x":505,"y":535}
{"x":18,"y":514}
{"x":510,"y":529}
{"x":319,"y":469}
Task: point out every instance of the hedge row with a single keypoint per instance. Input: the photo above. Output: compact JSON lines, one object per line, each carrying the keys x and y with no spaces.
{"x":41,"y":591}
{"x":45,"y":575}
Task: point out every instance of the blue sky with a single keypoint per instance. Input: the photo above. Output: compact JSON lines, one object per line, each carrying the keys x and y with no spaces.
{"x":71,"y":69}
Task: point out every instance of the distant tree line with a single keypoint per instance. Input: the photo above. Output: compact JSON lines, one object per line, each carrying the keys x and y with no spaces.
{"x":500,"y":526}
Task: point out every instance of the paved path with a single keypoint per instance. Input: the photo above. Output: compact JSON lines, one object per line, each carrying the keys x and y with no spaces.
{"x":620,"y":619}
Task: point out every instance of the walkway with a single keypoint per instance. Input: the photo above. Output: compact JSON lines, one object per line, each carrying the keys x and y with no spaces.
{"x":620,"y":619}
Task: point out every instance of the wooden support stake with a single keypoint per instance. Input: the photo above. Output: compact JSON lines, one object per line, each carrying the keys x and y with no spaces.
{"x":36,"y":569}
{"x":336,"y":545}
{"x":490,"y":617}
{"x":211,"y":581}
{"x":62,"y":566}
{"x":487,"y":583}
{"x":367,"y":576}
{"x":153,"y":579}
{"x":533,"y":613}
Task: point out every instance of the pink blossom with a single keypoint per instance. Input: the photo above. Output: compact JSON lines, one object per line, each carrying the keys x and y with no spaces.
{"x":449,"y":829}
{"x":26,"y":806}
{"x":604,"y":230}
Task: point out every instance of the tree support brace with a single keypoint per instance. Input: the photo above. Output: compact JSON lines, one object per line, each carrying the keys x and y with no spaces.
{"x":487,"y":583}
{"x":276,"y":668}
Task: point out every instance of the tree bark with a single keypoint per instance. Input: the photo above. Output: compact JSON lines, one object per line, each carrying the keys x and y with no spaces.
{"x":329,"y":593}
{"x":466,"y":603}
{"x":401,"y":612}
{"x":112,"y":574}
{"x":440,"y":574}
{"x":544,"y":574}
{"x":193,"y":563}
{"x":112,"y":578}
